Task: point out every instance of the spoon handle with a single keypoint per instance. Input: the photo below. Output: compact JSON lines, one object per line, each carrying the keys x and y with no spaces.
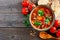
{"x":57,"y":38}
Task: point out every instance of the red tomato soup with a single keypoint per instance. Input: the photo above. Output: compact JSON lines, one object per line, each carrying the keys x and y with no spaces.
{"x":41,"y":17}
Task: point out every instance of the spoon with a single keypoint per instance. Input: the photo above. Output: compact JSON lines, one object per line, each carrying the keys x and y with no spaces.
{"x":45,"y":35}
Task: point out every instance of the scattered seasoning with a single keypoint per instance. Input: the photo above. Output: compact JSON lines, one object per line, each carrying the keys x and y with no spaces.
{"x":33,"y":33}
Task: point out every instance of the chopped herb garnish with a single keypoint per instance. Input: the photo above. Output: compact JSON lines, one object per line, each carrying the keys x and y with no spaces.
{"x":40,"y":12}
{"x":37,"y":23}
{"x":47,"y":20}
{"x":26,"y":23}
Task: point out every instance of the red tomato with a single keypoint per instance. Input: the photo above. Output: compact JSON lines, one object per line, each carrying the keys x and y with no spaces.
{"x":24,"y":10}
{"x":58,"y":33}
{"x":46,"y":26}
{"x":47,"y":10}
{"x":43,"y":20}
{"x":45,"y":13}
{"x":53,"y":30}
{"x":31,"y":6}
{"x":56,"y":23}
{"x":25,"y":3}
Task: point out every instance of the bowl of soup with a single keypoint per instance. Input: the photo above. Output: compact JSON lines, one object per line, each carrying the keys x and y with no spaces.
{"x":42,"y":18}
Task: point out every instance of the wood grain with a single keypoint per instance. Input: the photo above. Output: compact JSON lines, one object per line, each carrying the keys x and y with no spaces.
{"x":16,"y":34}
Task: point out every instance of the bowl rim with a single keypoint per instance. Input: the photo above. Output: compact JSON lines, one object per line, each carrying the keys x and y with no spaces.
{"x":45,"y":29}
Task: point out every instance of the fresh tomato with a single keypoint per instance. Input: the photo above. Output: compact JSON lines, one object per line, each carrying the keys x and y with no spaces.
{"x":53,"y":30}
{"x":25,"y":11}
{"x":43,"y":20}
{"x":31,"y":6}
{"x":46,"y":26}
{"x":47,"y":10}
{"x":25,"y":3}
{"x":56,"y":23}
{"x":58,"y":33}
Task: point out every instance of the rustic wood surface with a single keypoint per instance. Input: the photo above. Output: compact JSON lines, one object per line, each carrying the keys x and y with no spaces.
{"x":16,"y":34}
{"x":10,"y":13}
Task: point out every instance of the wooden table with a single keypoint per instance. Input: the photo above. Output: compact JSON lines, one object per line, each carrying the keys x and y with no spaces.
{"x":11,"y":22}
{"x":16,"y":34}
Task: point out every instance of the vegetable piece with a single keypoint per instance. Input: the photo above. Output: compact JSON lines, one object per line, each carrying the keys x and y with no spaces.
{"x":26,"y":22}
{"x":53,"y":30}
{"x":39,"y":17}
{"x":34,"y":14}
{"x":32,"y":21}
{"x":49,"y":23}
{"x":56,"y":23}
{"x":25,"y":11}
{"x":46,"y":26}
{"x":43,"y":19}
{"x":42,"y":26}
{"x":58,"y":33}
{"x":40,"y":13}
{"x":47,"y":20}
{"x":47,"y":10}
{"x":37,"y":23}
{"x":31,"y":6}
{"x":25,"y":3}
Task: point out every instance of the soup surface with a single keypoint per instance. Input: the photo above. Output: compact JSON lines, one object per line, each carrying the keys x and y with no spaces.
{"x":41,"y":17}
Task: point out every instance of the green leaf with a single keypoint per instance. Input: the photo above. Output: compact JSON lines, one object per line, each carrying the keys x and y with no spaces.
{"x":40,"y":13}
{"x":47,"y":20}
{"x":26,"y":23}
{"x":37,"y":23}
{"x":28,"y":15}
